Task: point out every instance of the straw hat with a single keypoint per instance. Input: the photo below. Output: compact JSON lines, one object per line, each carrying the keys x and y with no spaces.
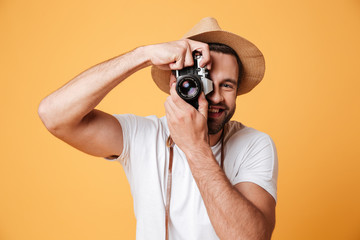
{"x":209,"y":31}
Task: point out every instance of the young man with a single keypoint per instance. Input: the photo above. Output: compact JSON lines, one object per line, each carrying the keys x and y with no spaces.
{"x":193,"y":174}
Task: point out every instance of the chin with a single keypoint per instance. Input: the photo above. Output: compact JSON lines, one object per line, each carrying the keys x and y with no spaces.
{"x":214,"y":128}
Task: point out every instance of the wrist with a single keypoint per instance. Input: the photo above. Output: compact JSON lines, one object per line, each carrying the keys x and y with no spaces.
{"x":142,"y":55}
{"x":198,"y":151}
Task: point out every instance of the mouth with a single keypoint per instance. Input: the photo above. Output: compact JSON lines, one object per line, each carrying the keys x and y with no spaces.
{"x":215,"y":111}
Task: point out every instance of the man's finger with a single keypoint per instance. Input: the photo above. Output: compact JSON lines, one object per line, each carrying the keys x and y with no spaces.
{"x":180,"y":103}
{"x":203,"y":105}
{"x":189,"y":60}
{"x":169,"y":109}
{"x":206,"y":59}
{"x":178,"y":64}
{"x":203,"y":48}
{"x":179,"y":58}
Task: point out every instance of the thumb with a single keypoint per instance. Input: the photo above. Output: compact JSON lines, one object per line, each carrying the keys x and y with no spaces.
{"x":203,"y":105}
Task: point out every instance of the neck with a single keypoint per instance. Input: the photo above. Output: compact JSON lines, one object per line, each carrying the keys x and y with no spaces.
{"x":214,"y":138}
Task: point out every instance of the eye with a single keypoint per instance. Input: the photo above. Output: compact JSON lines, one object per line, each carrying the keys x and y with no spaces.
{"x":226,"y":85}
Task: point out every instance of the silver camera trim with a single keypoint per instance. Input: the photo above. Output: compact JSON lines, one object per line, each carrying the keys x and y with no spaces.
{"x":207,"y":84}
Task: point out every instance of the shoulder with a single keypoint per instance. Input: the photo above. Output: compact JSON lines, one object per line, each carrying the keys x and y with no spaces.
{"x":237,"y":132}
{"x":248,"y":146}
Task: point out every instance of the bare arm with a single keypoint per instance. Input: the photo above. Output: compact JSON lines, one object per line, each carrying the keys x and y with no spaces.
{"x":69,"y":112}
{"x":244,"y":211}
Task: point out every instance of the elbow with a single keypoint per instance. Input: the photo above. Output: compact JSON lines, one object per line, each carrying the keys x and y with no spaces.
{"x":260,"y":230}
{"x":264,"y":230}
{"x":47,"y":116}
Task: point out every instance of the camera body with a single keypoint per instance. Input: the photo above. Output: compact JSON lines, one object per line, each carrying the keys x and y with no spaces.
{"x":190,"y":81}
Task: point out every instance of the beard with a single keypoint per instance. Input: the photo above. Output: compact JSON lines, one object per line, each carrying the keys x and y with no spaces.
{"x":215,"y":126}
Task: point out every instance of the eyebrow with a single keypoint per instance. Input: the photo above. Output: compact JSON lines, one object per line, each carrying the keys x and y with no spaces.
{"x":231,"y":81}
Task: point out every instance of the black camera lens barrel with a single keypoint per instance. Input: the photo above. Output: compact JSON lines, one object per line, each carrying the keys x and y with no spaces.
{"x":190,"y":80}
{"x":189,"y":88}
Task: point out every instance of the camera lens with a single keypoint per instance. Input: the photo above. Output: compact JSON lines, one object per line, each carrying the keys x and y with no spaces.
{"x":189,"y":88}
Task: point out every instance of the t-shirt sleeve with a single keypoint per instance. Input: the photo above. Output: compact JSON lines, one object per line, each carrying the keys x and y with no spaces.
{"x":259,"y":164}
{"x":135,"y":130}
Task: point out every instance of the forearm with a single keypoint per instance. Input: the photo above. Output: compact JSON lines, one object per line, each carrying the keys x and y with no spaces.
{"x":231,"y":214}
{"x":72,"y":102}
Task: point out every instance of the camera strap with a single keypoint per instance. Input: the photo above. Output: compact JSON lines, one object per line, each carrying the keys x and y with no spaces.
{"x":170,"y":145}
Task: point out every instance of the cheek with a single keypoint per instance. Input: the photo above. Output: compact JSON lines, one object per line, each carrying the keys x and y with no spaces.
{"x":232,"y":105}
{"x":231,"y":101}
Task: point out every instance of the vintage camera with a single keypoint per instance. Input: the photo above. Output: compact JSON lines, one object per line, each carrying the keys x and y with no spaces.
{"x":190,"y":81}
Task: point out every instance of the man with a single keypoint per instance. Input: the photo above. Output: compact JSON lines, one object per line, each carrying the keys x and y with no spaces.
{"x":193,"y":174}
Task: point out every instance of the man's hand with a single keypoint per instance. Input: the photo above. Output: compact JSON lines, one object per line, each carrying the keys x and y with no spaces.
{"x":178,"y":54}
{"x":188,"y":127}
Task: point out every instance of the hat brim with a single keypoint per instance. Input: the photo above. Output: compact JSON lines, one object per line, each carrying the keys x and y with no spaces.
{"x":251,"y":58}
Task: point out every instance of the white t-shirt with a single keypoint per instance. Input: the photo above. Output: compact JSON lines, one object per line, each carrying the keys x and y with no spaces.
{"x":250,"y":156}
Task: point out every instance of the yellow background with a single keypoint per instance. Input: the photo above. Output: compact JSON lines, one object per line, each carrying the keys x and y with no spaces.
{"x":308,"y":102}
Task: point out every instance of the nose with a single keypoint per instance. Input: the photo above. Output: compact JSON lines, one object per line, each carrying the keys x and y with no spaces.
{"x":215,"y":96}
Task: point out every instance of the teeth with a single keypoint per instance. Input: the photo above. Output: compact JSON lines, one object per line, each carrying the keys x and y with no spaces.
{"x":213,"y":110}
